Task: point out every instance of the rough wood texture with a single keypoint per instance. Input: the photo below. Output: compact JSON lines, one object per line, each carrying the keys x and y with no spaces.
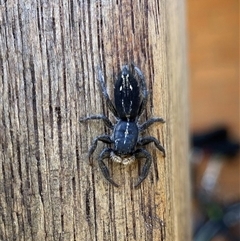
{"x":48,"y":54}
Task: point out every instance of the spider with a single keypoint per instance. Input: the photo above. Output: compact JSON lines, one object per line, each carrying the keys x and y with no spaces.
{"x":130,"y":101}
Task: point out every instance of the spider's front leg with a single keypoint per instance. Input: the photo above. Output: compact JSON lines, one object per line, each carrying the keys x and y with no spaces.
{"x":104,"y":138}
{"x":142,"y":153}
{"x":106,"y":153}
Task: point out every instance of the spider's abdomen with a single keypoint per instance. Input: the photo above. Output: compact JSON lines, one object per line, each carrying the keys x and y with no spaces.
{"x":125,"y":137}
{"x":127,"y":95}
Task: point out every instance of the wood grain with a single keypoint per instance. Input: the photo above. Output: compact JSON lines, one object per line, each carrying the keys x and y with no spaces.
{"x":49,"y":51}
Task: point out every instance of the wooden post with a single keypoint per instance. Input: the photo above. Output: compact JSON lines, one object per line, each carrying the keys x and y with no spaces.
{"x":49,"y":51}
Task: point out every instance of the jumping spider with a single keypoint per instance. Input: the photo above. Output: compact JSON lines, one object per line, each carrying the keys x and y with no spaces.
{"x":130,"y":102}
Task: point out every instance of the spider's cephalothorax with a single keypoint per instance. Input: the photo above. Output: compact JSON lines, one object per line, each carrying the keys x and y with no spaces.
{"x":130,"y":101}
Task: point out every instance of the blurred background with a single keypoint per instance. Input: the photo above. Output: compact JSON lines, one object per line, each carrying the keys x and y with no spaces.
{"x":213,"y":38}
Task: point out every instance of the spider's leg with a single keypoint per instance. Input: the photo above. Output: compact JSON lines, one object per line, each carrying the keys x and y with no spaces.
{"x":144,"y":90}
{"x":106,"y":121}
{"x":105,"y":94}
{"x":149,"y":122}
{"x":146,"y":140}
{"x":142,"y":153}
{"x":106,"y":153}
{"x":103,"y":138}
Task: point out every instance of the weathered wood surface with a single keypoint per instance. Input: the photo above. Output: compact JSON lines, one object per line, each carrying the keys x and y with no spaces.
{"x":48,"y":54}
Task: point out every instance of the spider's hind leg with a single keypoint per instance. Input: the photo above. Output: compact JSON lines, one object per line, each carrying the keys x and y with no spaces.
{"x":105,"y":94}
{"x":143,"y":89}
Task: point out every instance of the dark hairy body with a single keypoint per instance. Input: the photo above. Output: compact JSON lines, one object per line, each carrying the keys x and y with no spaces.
{"x":130,"y":99}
